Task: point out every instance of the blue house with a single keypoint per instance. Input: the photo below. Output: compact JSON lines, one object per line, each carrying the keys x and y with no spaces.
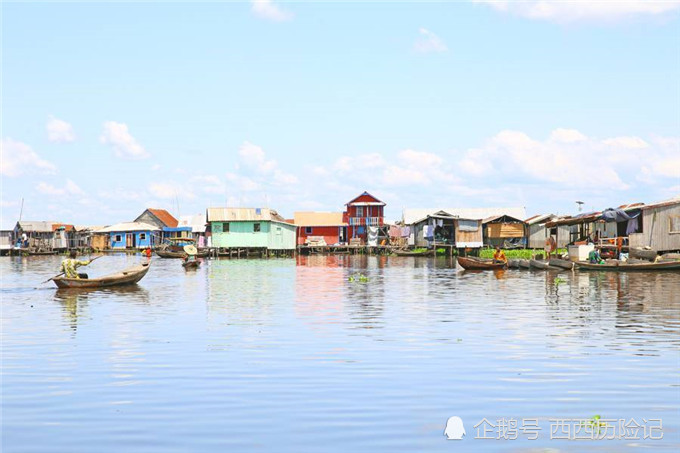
{"x":131,"y":235}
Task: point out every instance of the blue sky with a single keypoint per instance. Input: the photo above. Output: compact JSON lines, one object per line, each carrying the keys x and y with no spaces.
{"x":109,"y":108}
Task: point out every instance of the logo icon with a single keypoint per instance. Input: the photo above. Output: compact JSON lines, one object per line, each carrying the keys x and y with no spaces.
{"x":454,"y":428}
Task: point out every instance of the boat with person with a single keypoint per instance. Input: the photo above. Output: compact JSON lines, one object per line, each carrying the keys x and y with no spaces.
{"x":127,"y":276}
{"x":620,"y":266}
{"x":174,"y":248}
{"x":191,"y":264}
{"x":471,"y":263}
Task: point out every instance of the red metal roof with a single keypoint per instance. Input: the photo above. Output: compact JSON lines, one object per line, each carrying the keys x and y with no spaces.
{"x":164,"y":216}
{"x":366,"y":198}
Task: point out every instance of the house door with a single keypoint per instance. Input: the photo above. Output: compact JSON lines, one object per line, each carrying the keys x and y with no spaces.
{"x":130,"y":240}
{"x":342,"y":234}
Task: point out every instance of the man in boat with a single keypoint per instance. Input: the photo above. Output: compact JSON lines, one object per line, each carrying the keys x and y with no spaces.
{"x":499,"y":256}
{"x":147,"y":252}
{"x":594,"y":257}
{"x":69,"y":266}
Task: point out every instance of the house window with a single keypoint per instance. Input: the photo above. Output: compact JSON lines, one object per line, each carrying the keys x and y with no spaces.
{"x":360,"y":211}
{"x":118,"y":238}
{"x":256,"y":227}
{"x":225,"y":227}
{"x":308,"y":230}
{"x":142,"y":236}
{"x":674,"y":224}
{"x":278,"y":230}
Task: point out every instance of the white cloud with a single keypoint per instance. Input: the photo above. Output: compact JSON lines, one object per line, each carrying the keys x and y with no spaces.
{"x":18,"y":158}
{"x":254,"y":157}
{"x":70,"y":188}
{"x":241,"y":183}
{"x":584,"y":10}
{"x":567,"y":136}
{"x":626,"y":142}
{"x":169,"y":190}
{"x":59,"y":131}
{"x":428,"y":42}
{"x":124,"y":145}
{"x":266,"y":9}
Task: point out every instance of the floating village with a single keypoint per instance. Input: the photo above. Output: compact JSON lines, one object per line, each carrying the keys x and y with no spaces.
{"x":629,"y":237}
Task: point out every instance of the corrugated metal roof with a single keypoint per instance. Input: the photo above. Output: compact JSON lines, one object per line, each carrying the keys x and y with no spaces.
{"x":660,"y":204}
{"x":38,"y":226}
{"x":196,"y":222}
{"x":128,"y":226}
{"x":538,"y":218}
{"x":319,"y":219}
{"x":243,"y":215}
{"x":410,"y":216}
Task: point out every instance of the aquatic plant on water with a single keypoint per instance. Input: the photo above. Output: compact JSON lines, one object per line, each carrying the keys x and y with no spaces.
{"x":360,"y":278}
{"x":559,"y":281}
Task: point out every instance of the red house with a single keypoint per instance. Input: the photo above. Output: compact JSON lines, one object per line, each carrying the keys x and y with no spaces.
{"x":363,"y":212}
{"x":316,"y":225}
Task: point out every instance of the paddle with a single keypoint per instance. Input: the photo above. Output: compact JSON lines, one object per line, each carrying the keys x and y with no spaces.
{"x":59,"y":275}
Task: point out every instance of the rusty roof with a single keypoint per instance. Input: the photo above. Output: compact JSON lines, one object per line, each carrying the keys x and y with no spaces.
{"x":164,"y":216}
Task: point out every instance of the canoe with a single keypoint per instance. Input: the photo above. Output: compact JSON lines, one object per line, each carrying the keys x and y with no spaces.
{"x":412,"y":253}
{"x":127,"y":276}
{"x":559,"y":262}
{"x":539,"y":264}
{"x":513,"y":263}
{"x":179,"y":254}
{"x":524,"y":264}
{"x":626,"y":267}
{"x":479,"y":264}
{"x":191,"y":264}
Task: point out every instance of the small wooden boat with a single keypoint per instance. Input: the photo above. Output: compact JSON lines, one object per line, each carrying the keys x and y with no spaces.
{"x":191,"y":264}
{"x":414,"y":253}
{"x":559,"y":262}
{"x":513,"y":263}
{"x":524,"y":264}
{"x":627,"y":267}
{"x":182,"y":254}
{"x":470,"y":263}
{"x":127,"y":276}
{"x":539,"y":264}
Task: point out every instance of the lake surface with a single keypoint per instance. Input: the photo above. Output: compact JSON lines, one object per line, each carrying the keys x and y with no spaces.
{"x":289,"y":355}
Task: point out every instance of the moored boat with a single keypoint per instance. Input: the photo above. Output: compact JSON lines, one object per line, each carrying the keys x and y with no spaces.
{"x":479,"y":264}
{"x":127,"y":276}
{"x":513,"y":263}
{"x":627,"y":267}
{"x":414,"y":252}
{"x":176,"y":254}
{"x":559,"y":262}
{"x":539,"y":264}
{"x":523,"y":264}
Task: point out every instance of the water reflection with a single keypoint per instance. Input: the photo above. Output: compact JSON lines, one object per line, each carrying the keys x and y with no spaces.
{"x":296,"y":347}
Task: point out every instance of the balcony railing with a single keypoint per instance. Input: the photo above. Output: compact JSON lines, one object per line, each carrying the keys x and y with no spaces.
{"x":365,"y":221}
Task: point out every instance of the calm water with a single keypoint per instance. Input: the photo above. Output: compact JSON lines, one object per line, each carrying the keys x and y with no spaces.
{"x":288,"y":355}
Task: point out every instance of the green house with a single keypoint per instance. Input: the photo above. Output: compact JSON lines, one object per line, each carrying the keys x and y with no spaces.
{"x":250,"y":228}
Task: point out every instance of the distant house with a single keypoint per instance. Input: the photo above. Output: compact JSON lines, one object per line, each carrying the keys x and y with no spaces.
{"x":658,"y":227}
{"x":197,"y":224}
{"x":260,"y":228}
{"x":504,"y":230}
{"x":83,"y":237}
{"x":411,"y":216}
{"x":442,"y":228}
{"x":63,"y":236}
{"x":39,"y":234}
{"x":364,"y":216}
{"x":537,"y":232}
{"x":315,"y":226}
{"x":131,"y":235}
{"x":160,"y":218}
{"x":6,"y":241}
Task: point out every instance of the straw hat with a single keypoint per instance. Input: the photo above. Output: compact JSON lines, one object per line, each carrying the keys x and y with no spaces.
{"x":190,"y":249}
